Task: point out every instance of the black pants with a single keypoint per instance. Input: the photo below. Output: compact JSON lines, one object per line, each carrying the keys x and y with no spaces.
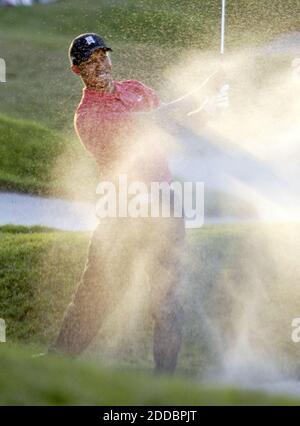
{"x":113,"y":250}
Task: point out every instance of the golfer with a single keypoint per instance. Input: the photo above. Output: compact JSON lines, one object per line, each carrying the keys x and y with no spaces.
{"x":106,"y":122}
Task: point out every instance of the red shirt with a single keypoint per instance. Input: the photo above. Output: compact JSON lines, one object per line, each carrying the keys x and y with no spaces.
{"x":108,"y":128}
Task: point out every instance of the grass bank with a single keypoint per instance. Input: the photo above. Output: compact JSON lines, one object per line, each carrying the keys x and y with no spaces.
{"x":240,"y":281}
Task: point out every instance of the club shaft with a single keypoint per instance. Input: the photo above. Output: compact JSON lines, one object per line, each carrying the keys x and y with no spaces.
{"x":223,"y":27}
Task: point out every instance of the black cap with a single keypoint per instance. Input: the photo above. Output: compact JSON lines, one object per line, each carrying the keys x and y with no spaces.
{"x":84,"y":45}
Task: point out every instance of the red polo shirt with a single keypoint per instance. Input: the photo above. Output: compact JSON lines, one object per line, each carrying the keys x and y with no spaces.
{"x":109,"y":129}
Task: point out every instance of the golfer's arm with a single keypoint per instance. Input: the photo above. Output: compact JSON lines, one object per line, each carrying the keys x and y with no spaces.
{"x":187,"y":102}
{"x":170,"y":114}
{"x":179,"y":106}
{"x":176,"y":111}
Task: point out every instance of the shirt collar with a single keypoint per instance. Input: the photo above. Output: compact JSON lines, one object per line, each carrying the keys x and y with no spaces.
{"x":103,"y":95}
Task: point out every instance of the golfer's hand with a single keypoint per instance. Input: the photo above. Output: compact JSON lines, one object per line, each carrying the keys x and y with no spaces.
{"x":214,"y":104}
{"x":219,"y":102}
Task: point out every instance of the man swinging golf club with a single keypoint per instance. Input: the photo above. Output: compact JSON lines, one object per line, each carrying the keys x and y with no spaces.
{"x":105,"y":122}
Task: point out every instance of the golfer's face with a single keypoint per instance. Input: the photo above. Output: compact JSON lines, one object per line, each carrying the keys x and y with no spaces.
{"x":97,"y":69}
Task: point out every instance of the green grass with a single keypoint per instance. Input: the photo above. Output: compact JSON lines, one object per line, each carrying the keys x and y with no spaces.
{"x":20,"y":229}
{"x":28,"y":152}
{"x":35,"y":159}
{"x":234,"y":274}
{"x":34,"y":292}
{"x":52,"y":381}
